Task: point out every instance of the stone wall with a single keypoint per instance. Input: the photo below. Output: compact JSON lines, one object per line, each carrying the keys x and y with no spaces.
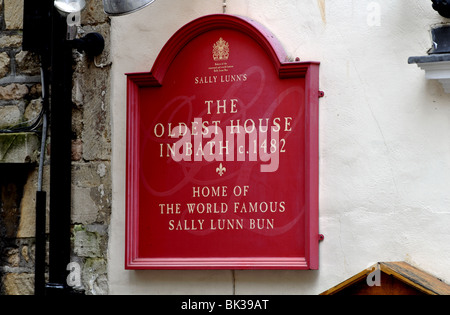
{"x":91,"y":155}
{"x":20,"y":84}
{"x":20,"y":105}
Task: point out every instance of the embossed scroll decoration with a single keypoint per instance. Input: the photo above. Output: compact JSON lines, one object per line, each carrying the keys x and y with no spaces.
{"x":222,"y":153}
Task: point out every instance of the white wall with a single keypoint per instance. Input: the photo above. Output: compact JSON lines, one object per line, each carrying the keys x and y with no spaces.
{"x":384,"y":139}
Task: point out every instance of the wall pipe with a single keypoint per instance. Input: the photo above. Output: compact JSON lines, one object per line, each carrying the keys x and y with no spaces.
{"x":60,"y":157}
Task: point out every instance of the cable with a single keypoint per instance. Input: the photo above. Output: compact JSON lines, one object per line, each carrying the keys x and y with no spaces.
{"x":40,"y":120}
{"x":44,"y":127}
{"x":35,"y":122}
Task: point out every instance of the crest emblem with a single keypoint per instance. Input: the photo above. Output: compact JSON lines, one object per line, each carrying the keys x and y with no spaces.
{"x":221,"y":50}
{"x":221,"y":170}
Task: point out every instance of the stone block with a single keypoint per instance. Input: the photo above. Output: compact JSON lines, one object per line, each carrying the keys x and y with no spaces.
{"x":87,"y":244}
{"x":94,"y":276}
{"x":92,"y":174}
{"x":13,"y":257}
{"x":9,"y":116}
{"x":91,"y":193}
{"x":19,"y":148}
{"x":13,"y":14}
{"x":13,"y":91}
{"x":36,"y":90}
{"x":5,"y":63}
{"x":33,"y":110}
{"x":77,"y":150}
{"x":18,"y":284}
{"x":84,"y":209}
{"x":27,"y":63}
{"x":7,"y":41}
{"x":94,"y":13}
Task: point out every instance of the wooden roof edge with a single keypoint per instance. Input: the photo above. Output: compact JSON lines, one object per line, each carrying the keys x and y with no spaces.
{"x":415,"y":277}
{"x":350,"y":281}
{"x":404,"y":272}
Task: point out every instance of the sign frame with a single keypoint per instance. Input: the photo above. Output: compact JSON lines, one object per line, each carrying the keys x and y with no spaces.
{"x":154,"y":79}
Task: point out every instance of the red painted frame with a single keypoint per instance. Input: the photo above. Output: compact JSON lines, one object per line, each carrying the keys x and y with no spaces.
{"x":154,"y":79}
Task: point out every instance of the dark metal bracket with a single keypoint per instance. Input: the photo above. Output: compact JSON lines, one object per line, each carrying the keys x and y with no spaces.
{"x":92,"y":44}
{"x":442,"y":6}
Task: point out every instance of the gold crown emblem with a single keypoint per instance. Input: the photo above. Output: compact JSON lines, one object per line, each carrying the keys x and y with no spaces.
{"x":221,"y":50}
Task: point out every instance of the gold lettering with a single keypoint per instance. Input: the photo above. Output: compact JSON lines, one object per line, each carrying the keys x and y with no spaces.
{"x":261,"y":224}
{"x":260,"y":207}
{"x":173,"y":208}
{"x":219,"y":191}
{"x":186,"y":225}
{"x":208,"y":103}
{"x":227,"y":224}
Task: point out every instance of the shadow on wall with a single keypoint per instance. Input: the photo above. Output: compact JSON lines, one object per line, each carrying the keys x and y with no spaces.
{"x":14,"y":253}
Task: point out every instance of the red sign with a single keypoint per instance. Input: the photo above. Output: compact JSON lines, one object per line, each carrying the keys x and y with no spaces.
{"x":222,"y":153}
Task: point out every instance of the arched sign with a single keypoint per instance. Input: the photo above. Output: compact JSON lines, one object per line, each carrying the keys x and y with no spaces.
{"x":222,"y":153}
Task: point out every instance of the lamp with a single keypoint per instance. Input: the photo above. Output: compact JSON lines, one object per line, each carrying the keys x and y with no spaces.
{"x":121,"y":7}
{"x":66,"y":7}
{"x":111,"y":7}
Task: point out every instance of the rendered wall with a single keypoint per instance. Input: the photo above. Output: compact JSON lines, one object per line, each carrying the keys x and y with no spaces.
{"x":384,"y":148}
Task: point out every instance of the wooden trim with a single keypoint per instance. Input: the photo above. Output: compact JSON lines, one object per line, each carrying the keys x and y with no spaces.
{"x":349,"y":282}
{"x":402,"y":271}
{"x":416,"y":278}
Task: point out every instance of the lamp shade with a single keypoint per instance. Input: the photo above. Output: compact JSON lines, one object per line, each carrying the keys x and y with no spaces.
{"x":70,"y":6}
{"x":121,"y":7}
